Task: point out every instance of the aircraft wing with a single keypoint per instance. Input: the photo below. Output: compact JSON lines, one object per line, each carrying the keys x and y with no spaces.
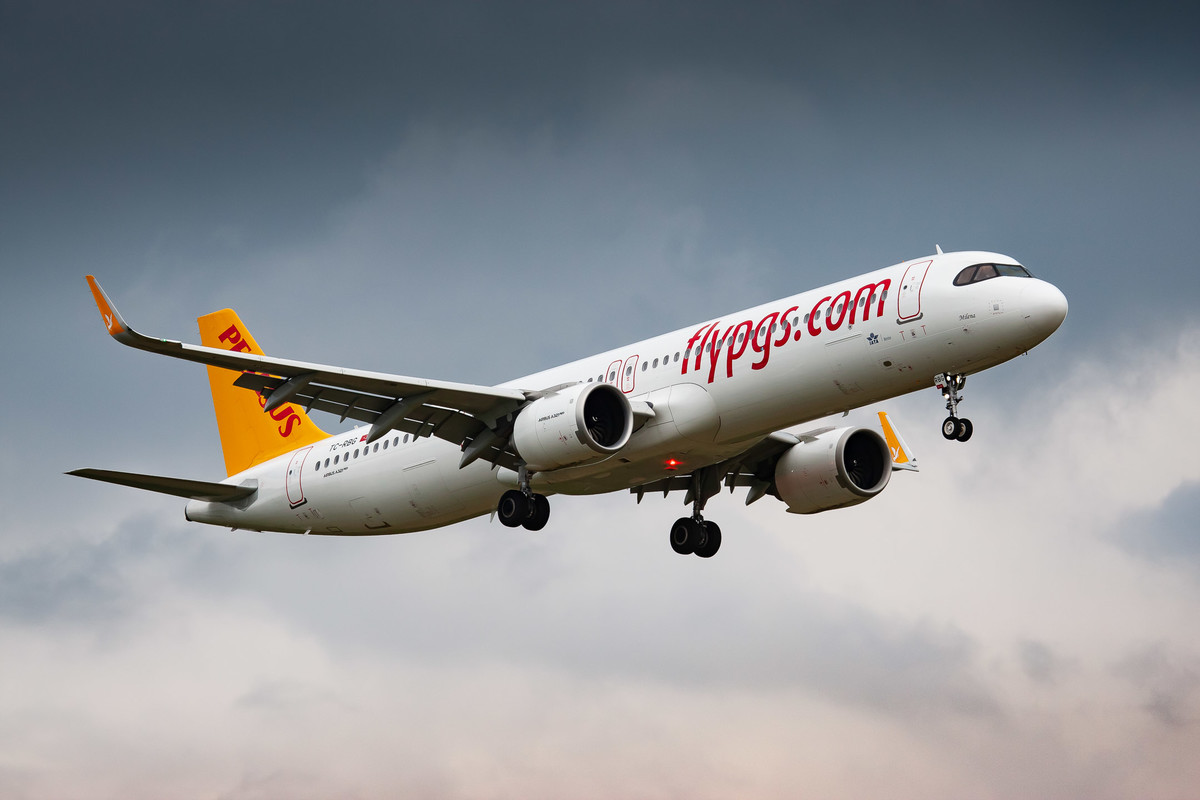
{"x":451,"y":411}
{"x":755,"y":467}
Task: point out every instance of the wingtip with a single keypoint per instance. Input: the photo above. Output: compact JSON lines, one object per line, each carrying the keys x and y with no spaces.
{"x":902,"y":455}
{"x":113,"y":321}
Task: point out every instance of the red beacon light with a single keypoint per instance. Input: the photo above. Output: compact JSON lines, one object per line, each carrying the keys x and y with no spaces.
{"x":672,"y":464}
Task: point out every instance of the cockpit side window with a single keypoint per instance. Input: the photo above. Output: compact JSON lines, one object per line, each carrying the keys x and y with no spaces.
{"x":981,"y":272}
{"x":966,"y":276}
{"x":1015,"y":270}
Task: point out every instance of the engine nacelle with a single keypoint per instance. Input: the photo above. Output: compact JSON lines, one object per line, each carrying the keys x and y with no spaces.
{"x":579,"y":424}
{"x":838,"y":468}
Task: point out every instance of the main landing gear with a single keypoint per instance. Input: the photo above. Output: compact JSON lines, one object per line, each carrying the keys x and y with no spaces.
{"x":950,"y":385}
{"x":522,"y":508}
{"x":695,"y":534}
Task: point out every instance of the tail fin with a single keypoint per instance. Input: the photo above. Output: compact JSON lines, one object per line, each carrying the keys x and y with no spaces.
{"x":249,"y":435}
{"x":902,"y":454}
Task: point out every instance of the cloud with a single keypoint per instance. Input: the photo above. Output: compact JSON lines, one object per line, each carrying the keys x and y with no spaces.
{"x":1168,"y":679}
{"x":1166,"y":533}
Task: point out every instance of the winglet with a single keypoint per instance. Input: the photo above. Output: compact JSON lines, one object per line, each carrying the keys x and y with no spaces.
{"x":902,"y":455}
{"x":113,"y":321}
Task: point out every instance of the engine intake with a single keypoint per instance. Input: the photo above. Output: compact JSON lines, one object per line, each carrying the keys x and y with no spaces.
{"x":579,"y":424}
{"x":838,"y":468}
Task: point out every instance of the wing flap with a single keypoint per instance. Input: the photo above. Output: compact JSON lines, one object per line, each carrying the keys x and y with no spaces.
{"x":179,"y":487}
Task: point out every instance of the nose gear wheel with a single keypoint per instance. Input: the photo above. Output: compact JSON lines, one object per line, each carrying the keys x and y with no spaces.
{"x":953,"y":427}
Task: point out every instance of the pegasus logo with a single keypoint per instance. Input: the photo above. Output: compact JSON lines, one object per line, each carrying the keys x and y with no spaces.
{"x":108,"y":321}
{"x":285,"y":415}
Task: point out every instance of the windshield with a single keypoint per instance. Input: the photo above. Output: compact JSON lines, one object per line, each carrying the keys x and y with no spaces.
{"x":981,"y":272}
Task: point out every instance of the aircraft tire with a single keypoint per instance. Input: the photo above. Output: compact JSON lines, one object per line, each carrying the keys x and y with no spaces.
{"x":712,"y":540}
{"x":685,"y":535}
{"x":513,"y":508}
{"x":539,"y":513}
{"x":950,"y":428}
{"x":965,"y":429}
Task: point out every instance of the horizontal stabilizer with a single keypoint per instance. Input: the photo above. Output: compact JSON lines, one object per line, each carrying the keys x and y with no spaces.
{"x":179,"y":487}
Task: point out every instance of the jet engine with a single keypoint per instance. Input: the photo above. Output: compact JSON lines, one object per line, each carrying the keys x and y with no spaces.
{"x":835,"y":469}
{"x":579,"y":424}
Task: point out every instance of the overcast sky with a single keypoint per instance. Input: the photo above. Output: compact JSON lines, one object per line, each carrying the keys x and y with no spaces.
{"x":475,"y":191}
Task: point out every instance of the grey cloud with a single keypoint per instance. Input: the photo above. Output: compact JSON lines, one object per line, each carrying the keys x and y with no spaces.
{"x":609,"y":614}
{"x":101,"y":585}
{"x":1039,"y":661}
{"x":1168,"y":680}
{"x":1167,"y":534}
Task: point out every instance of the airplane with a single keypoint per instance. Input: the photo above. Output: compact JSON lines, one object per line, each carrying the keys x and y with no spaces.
{"x":708,"y":406}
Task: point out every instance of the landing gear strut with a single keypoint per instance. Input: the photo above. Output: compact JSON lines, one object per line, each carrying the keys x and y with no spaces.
{"x":695,"y":534}
{"x":522,"y":508}
{"x":950,"y":384}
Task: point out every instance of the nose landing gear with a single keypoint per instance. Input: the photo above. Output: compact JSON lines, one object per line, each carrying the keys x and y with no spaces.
{"x":953,"y":427}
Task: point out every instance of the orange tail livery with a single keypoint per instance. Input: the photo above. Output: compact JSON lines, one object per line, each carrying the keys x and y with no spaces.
{"x":249,"y":435}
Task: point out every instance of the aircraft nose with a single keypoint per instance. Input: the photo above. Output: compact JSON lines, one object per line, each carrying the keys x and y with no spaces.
{"x":1044,"y":308}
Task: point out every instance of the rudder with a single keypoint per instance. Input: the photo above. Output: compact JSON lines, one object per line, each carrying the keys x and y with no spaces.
{"x":249,"y":436}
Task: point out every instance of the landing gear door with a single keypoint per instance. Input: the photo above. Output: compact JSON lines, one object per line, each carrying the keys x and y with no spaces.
{"x":295,"y":474}
{"x":908,"y":299}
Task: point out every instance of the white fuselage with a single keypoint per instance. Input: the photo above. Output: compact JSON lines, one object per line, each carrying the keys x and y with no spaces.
{"x":715,"y":387}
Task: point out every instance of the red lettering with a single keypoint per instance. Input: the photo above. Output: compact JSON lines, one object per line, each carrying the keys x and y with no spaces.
{"x":292,"y":421}
{"x":704,"y":343}
{"x":765,"y":348}
{"x":870,"y":290}
{"x":692,"y":343}
{"x":786,"y":333}
{"x":234,"y":337}
{"x":280,"y":413}
{"x":736,"y":348}
{"x":839,"y":304}
{"x":715,"y":354}
{"x":814,"y":315}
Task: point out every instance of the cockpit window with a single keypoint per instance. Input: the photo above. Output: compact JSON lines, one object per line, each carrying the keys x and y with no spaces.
{"x":981,"y":272}
{"x":1015,"y":270}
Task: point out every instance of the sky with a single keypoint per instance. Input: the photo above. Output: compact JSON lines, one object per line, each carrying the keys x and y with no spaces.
{"x":476,"y":191}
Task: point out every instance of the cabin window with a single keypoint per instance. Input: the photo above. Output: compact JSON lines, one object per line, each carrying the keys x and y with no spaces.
{"x":646,"y":365}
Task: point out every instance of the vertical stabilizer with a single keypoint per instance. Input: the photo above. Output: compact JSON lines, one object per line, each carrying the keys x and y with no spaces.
{"x":249,"y":435}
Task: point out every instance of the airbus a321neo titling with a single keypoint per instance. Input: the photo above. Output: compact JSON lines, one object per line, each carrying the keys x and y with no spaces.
{"x":689,"y":411}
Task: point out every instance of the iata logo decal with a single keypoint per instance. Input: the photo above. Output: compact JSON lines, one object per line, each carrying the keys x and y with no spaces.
{"x":286,"y":414}
{"x":776,"y":329}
